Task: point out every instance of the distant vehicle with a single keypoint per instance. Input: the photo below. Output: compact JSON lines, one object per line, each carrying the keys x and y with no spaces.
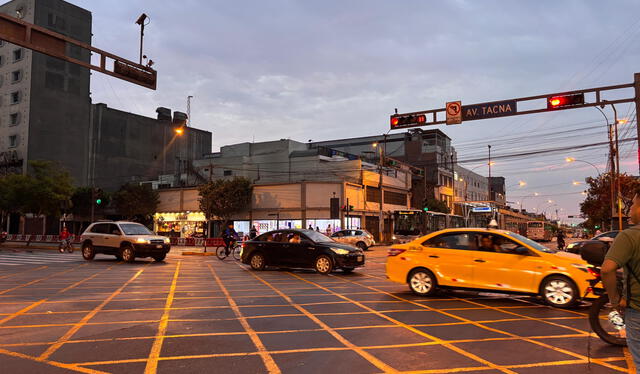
{"x":411,"y":224}
{"x":488,"y":259}
{"x":607,"y":237}
{"x":300,"y":248}
{"x":125,"y":240}
{"x":539,"y":230}
{"x":359,"y":238}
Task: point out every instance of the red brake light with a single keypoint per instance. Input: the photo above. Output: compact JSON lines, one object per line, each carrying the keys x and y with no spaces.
{"x":395,"y":251}
{"x":593,"y":272}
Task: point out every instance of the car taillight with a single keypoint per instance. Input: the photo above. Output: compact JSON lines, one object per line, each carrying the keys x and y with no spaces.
{"x":395,"y":251}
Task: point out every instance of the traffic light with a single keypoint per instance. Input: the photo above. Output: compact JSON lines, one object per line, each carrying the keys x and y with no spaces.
{"x":408,"y":120}
{"x":351,"y":208}
{"x":426,"y":208}
{"x":597,"y":227}
{"x":557,"y":102}
{"x":98,"y":201}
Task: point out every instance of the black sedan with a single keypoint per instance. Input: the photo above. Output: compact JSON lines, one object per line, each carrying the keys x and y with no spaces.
{"x":606,"y":237}
{"x":300,"y":249}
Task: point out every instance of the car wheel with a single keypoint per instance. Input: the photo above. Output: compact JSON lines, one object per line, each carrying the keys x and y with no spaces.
{"x":87,"y":251}
{"x":257,"y":261}
{"x":559,"y":291}
{"x":323,"y":264}
{"x":159,"y":258}
{"x":127,"y":254}
{"x":362,"y":245}
{"x":422,"y":282}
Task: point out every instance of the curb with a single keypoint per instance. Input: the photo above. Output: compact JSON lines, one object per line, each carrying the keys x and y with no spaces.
{"x":192,"y":253}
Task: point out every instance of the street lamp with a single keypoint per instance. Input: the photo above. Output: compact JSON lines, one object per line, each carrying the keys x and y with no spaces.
{"x":179,"y":131}
{"x":572,"y":159}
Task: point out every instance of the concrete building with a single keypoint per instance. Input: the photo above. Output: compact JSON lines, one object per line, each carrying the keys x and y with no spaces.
{"x":45,"y":104}
{"x":46,"y":113}
{"x":430,"y":152}
{"x":470,"y":186}
{"x":293,"y":185}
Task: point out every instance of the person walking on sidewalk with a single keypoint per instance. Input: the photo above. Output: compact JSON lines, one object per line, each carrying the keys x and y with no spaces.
{"x":625,"y":254}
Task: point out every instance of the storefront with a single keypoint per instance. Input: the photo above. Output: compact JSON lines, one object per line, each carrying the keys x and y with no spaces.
{"x":180,"y":225}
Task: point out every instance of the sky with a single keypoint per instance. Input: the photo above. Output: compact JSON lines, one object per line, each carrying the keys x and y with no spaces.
{"x":320,"y":70}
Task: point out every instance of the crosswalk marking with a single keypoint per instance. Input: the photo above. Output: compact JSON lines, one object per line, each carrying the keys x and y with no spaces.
{"x":36,"y":258}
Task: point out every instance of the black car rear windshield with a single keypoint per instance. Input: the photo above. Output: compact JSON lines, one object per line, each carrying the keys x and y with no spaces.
{"x":135,"y":229}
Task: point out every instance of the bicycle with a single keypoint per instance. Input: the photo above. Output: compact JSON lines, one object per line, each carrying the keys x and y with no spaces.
{"x":235,"y":250}
{"x":65,"y":244}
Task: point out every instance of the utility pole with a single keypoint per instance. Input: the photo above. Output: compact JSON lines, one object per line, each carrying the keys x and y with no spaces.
{"x":618,"y":188}
{"x":141,"y":21}
{"x":612,"y":165}
{"x":636,"y":86}
{"x":187,"y":138}
{"x":489,"y":146}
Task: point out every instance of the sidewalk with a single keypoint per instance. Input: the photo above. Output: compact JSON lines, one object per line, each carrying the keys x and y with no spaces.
{"x":175,"y":249}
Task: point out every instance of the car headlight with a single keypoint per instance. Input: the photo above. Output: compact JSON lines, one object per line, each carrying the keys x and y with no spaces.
{"x":167,"y":241}
{"x":571,"y":245}
{"x":340,"y":251}
{"x":143,"y":241}
{"x":394,"y":237}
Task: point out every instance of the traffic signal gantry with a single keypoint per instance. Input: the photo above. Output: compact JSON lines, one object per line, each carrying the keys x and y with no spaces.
{"x":455,"y":113}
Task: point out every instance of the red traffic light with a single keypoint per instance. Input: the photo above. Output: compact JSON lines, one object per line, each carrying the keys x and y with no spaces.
{"x":407,"y":121}
{"x":556,"y":102}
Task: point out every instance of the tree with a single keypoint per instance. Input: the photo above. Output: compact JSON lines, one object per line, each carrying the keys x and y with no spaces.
{"x":136,"y":202}
{"x":435,"y":205}
{"x":223,"y":198}
{"x":596,"y":207}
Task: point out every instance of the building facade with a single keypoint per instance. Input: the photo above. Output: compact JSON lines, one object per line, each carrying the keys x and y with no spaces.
{"x":45,"y":103}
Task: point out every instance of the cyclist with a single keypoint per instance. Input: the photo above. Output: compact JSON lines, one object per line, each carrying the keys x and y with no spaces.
{"x":230,"y":237}
{"x":65,"y":238}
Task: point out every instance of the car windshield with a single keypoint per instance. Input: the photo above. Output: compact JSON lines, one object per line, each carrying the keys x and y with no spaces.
{"x":135,"y":229}
{"x":531,"y":243}
{"x":318,"y":237}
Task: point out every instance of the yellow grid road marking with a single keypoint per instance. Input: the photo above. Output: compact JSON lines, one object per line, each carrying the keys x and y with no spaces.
{"x":152,"y":361}
{"x":46,"y":354}
{"x":38,"y":280}
{"x":269,"y":363}
{"x":52,"y":363}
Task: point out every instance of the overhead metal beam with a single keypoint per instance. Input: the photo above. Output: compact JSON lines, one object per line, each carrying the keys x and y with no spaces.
{"x":40,"y":39}
{"x":437,"y":116}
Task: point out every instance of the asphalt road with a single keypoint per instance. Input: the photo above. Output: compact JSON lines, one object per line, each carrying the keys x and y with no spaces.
{"x":194,"y":314}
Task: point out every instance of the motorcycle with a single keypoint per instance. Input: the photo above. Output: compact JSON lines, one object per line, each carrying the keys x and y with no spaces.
{"x":604,"y":319}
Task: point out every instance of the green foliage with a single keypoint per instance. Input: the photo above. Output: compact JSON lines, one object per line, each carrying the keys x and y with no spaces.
{"x":596,"y":207}
{"x":136,"y":202}
{"x":434,"y":205}
{"x":47,"y":189}
{"x":223,"y":198}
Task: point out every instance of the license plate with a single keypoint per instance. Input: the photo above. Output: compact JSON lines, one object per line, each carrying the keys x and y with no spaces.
{"x":158,"y":246}
{"x":360,"y":258}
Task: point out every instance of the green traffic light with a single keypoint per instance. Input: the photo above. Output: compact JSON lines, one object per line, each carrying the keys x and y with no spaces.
{"x":426,"y":209}
{"x":98,"y":201}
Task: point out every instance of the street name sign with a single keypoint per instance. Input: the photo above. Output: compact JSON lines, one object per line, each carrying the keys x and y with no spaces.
{"x":481,"y":209}
{"x":489,"y":110}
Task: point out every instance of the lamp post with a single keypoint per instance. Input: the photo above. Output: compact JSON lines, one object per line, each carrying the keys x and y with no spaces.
{"x":571,"y":159}
{"x":521,"y":200}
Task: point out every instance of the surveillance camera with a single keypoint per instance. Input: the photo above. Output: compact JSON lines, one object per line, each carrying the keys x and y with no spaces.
{"x":141,"y":19}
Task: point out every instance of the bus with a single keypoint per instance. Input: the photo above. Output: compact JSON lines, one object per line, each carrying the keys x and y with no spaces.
{"x":411,"y":224}
{"x":539,"y":230}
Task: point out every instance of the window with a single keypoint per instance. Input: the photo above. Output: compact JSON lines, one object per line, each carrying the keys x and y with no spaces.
{"x":14,"y":119}
{"x":1,"y":58}
{"x":464,"y":241}
{"x":13,"y":141}
{"x":228,"y":173}
{"x":1,"y":43}
{"x":373,"y":194}
{"x":15,"y":97}
{"x":18,"y":54}
{"x":16,"y":76}
{"x":114,"y":230}
{"x":101,"y":228}
{"x":395,"y":198}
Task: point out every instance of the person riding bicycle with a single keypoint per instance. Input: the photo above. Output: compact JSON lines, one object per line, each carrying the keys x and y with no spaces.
{"x":229,"y":236}
{"x":65,"y":236}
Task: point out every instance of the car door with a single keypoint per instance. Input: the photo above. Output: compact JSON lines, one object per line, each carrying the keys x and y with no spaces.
{"x":508,"y":267}
{"x":276,"y":248}
{"x":302,"y":253}
{"x":447,"y":255}
{"x":96,"y":235}
{"x":111,"y":238}
{"x":340,"y":236}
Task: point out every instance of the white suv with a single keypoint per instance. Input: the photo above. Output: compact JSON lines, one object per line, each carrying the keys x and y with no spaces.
{"x":359,"y":238}
{"x":125,"y":240}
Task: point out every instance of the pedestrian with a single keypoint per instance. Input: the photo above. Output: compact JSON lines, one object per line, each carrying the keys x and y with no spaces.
{"x":253,"y":232}
{"x":310,"y":227}
{"x":317,"y":229}
{"x":625,"y":254}
{"x":328,"y":231}
{"x":598,"y":232}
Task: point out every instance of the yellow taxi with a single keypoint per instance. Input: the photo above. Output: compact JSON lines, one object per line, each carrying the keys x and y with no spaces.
{"x":488,"y":260}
